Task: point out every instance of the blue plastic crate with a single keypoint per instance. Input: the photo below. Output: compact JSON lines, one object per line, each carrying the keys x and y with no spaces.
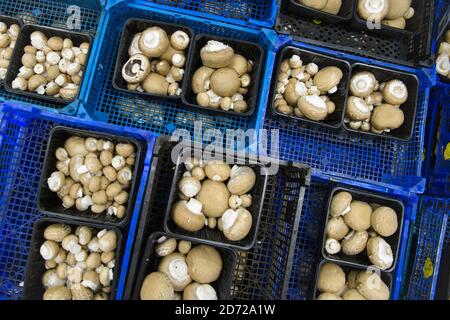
{"x":381,"y":161}
{"x":308,"y":249}
{"x":24,"y":133}
{"x":52,"y":13}
{"x":428,"y":236}
{"x":256,"y":13}
{"x":162,"y":116}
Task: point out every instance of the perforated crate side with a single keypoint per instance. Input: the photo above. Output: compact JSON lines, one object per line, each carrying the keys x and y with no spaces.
{"x":308,"y":249}
{"x":257,"y":13}
{"x":410,"y":51}
{"x":429,"y":235}
{"x":24,"y":133}
{"x":381,"y":160}
{"x":51,"y":13}
{"x":162,"y":116}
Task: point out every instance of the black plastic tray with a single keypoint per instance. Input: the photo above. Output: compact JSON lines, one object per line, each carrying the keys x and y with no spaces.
{"x":413,"y":25}
{"x":362,"y":260}
{"x":251,"y":51}
{"x":10,"y":21}
{"x":386,"y":277}
{"x":407,"y":50}
{"x":335,"y":119}
{"x":405,"y":132}
{"x":33,"y":289}
{"x":262,"y":272}
{"x":150,"y":263}
{"x":134,"y":26}
{"x":215,"y":236}
{"x":24,"y":39}
{"x":344,"y":14}
{"x":48,"y":201}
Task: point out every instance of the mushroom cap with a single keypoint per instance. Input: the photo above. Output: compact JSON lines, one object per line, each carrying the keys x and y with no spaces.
{"x":386,"y":116}
{"x":399,"y":23}
{"x":184,"y":246}
{"x":166,"y":247}
{"x":355,"y":243}
{"x":237,"y":224}
{"x":315,"y":4}
{"x":380,"y":253}
{"x":242,"y":180}
{"x":363,"y":84}
{"x":57,"y":232}
{"x":218,"y":171}
{"x":154,"y":42}
{"x":108,"y":241}
{"x":136,"y":69}
{"x":336,"y":228}
{"x":328,"y":296}
{"x":75,"y":146}
{"x":352,"y":294}
{"x":313,"y":107}
{"x":340,"y":204}
{"x":351,"y":279}
{"x":359,"y":216}
{"x":371,"y":286}
{"x":331,"y":278}
{"x":373,"y":9}
{"x":214,"y":197}
{"x":357,"y":109}
{"x":204,"y":263}
{"x":398,"y":8}
{"x":58,"y":293}
{"x":179,"y":40}
{"x":443,"y":64}
{"x":333,"y":6}
{"x":239,"y":64}
{"x":156,"y":84}
{"x":200,"y":78}
{"x":196,"y":291}
{"x":157,"y":286}
{"x":187,"y":219}
{"x":216,"y":54}
{"x":327,"y":78}
{"x":395,"y":92}
{"x":175,"y":268}
{"x":384,"y":221}
{"x":189,"y":186}
{"x":225,"y":82}
{"x":81,"y":293}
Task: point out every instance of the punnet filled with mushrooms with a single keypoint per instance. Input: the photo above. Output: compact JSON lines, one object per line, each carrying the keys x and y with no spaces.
{"x":152,"y":58}
{"x":324,"y":11}
{"x":381,"y":102}
{"x":336,"y":281}
{"x":310,"y":87}
{"x":216,"y":201}
{"x":224,"y":75}
{"x":9,"y":32}
{"x":443,"y":58}
{"x":72,"y":262}
{"x":363,"y":229}
{"x":48,"y":63}
{"x":89,"y":176}
{"x":178,"y":269}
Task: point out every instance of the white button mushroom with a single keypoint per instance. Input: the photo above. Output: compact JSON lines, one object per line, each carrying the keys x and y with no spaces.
{"x":49,"y":250}
{"x":332,"y":246}
{"x":197,"y":291}
{"x":188,"y":215}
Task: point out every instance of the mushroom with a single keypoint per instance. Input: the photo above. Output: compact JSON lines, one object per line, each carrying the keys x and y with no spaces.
{"x":236,"y":224}
{"x":352,"y":294}
{"x":225,"y":82}
{"x":56,"y":181}
{"x":156,"y":84}
{"x":198,"y":173}
{"x":216,"y":54}
{"x":157,"y":286}
{"x":75,"y":146}
{"x":239,"y":64}
{"x":380,"y":253}
{"x":101,"y":296}
{"x":201,"y":79}
{"x":58,"y":293}
{"x":357,"y":109}
{"x":124,"y":176}
{"x":107,"y":257}
{"x":70,"y":243}
{"x":56,"y":232}
{"x":242,"y":180}
{"x":91,"y":280}
{"x":184,"y":246}
{"x":443,"y":64}
{"x":166,"y":247}
{"x":315,"y":4}
{"x":188,"y":215}
{"x":363,"y":84}
{"x":80,"y":292}
{"x":179,"y":40}
{"x":154,"y":42}
{"x":49,"y":250}
{"x":214,"y":198}
{"x":340,"y":204}
{"x":107,"y":240}
{"x":358,"y":218}
{"x":387,"y":117}
{"x":83,"y":204}
{"x":197,"y":291}
{"x":175,"y":268}
{"x":204,"y":264}
{"x":355,"y":243}
{"x":336,"y":228}
{"x":409,"y":14}
{"x":331,"y":278}
{"x":333,"y":6}
{"x":371,"y":286}
{"x":189,"y":186}
{"x":136,"y":69}
{"x":217,"y":171}
{"x":93,"y":261}
{"x":84,"y":234}
{"x":313,"y":107}
{"x":332,"y":246}
{"x":399,"y":23}
{"x":375,"y":10}
{"x":178,"y":60}
{"x":395,"y":92}
{"x":384,"y":221}
{"x":327,"y":79}
{"x":328,"y":296}
{"x":398,"y":8}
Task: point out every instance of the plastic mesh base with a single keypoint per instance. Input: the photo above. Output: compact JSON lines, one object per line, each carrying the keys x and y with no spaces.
{"x":160,"y":116}
{"x":52,"y":14}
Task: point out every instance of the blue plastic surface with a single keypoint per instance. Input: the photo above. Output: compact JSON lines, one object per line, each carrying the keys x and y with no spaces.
{"x":309,"y":240}
{"x":24,"y":133}
{"x":428,"y":236}
{"x":381,"y":161}
{"x":104,"y":103}
{"x":53,"y":13}
{"x":256,"y":13}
